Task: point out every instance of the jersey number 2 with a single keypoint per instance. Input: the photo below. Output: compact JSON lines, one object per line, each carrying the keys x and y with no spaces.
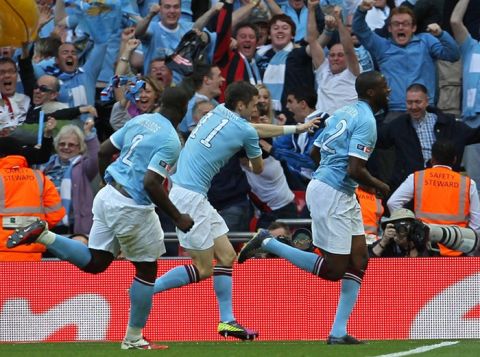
{"x":341,"y":127}
{"x":135,"y":141}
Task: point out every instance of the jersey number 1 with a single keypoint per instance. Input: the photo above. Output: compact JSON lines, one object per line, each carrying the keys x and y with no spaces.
{"x":206,"y":141}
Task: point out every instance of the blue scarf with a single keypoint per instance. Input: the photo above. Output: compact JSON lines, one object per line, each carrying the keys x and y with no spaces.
{"x":274,"y":76}
{"x":116,"y":81}
{"x":65,"y":188}
{"x":254,"y":76}
{"x":57,"y":72}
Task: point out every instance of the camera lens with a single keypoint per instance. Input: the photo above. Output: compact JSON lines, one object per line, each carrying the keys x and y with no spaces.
{"x":402,"y":227}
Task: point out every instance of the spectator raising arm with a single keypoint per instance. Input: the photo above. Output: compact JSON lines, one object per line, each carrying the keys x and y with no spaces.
{"x":316,"y":49}
{"x":203,"y":20}
{"x":460,"y":32}
{"x":243,"y":13}
{"x":347,"y":43}
{"x":60,"y":13}
{"x":273,"y":6}
{"x":142,"y":25}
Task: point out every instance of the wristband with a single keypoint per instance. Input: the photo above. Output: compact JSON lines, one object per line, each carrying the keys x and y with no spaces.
{"x":289,"y":129}
{"x":124,"y":59}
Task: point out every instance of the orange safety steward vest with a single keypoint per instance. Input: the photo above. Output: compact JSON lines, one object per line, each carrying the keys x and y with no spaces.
{"x":442,"y":196}
{"x":25,"y":195}
{"x":372,"y":210}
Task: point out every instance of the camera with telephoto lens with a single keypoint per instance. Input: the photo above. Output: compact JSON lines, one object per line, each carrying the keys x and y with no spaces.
{"x":423,"y":235}
{"x":454,"y":237}
{"x":415,"y":231}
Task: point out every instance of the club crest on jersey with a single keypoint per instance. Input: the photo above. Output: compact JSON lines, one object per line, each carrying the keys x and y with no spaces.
{"x":364,"y":148}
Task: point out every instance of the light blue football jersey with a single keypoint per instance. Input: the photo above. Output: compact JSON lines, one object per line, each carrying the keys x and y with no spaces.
{"x":217,"y":137}
{"x":148,"y":141}
{"x":350,"y":131}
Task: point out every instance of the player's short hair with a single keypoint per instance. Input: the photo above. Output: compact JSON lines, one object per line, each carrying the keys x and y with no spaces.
{"x":366,"y":81}
{"x":305,"y":93}
{"x":239,"y":91}
{"x":174,"y":103}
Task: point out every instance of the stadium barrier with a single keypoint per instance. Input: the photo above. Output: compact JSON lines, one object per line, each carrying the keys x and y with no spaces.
{"x":416,"y":298}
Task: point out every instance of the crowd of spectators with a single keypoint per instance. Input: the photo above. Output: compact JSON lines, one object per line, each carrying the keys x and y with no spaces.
{"x":96,"y":65}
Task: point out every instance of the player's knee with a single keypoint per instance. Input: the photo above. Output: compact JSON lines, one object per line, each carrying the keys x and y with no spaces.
{"x":227,"y":259}
{"x":205,"y":272}
{"x":334,"y":275}
{"x":360,"y":261}
{"x":364,"y":262}
{"x":94,"y":267}
{"x":100,"y":261}
{"x":146,"y":271}
{"x":333,"y":268}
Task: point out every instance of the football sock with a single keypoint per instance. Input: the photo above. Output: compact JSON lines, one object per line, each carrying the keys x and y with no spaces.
{"x":141,"y":293}
{"x":222,"y":284}
{"x":348,"y":297}
{"x":70,"y":250}
{"x":304,"y":260}
{"x":176,"y":277}
{"x":133,"y":333}
{"x":46,"y":237}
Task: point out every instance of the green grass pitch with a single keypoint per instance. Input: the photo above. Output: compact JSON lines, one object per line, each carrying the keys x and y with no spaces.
{"x":464,"y":348}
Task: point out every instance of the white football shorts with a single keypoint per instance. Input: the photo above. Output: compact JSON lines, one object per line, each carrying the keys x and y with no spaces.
{"x":336,"y":217}
{"x":208,"y":224}
{"x":120,"y":224}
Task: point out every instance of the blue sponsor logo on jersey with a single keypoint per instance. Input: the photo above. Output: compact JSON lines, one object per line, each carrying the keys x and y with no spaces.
{"x":364,"y":148}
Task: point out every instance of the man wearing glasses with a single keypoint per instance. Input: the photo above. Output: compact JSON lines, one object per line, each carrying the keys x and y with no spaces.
{"x":11,"y":102}
{"x":44,"y":98}
{"x":405,"y":58}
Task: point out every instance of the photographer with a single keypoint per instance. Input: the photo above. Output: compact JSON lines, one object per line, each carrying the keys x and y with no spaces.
{"x":403,"y":236}
{"x":441,"y":196}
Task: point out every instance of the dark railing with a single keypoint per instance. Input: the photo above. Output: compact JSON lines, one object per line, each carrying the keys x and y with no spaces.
{"x":239,"y":237}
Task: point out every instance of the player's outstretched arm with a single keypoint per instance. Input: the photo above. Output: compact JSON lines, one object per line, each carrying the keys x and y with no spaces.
{"x":270,"y":130}
{"x":256,"y":165}
{"x":153,"y":184}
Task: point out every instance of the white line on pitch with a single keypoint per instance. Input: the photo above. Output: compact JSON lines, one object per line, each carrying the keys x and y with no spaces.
{"x":420,"y":349}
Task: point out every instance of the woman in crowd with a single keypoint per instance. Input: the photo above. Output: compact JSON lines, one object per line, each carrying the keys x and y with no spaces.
{"x":140,"y":97}
{"x":72,"y":169}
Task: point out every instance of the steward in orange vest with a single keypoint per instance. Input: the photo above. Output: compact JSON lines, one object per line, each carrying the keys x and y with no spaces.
{"x":441,"y":195}
{"x":25,"y":196}
{"x":372,"y":211}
